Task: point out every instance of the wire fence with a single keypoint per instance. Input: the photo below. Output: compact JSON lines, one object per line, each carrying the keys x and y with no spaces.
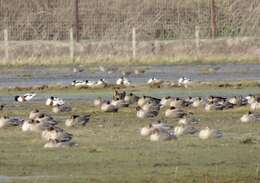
{"x":114,"y":19}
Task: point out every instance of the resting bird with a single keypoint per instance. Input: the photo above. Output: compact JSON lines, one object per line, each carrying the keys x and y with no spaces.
{"x":145,"y":113}
{"x":108,"y":107}
{"x":76,"y":120}
{"x":249,"y":117}
{"x":6,"y":121}
{"x":62,"y":108}
{"x":54,"y":101}
{"x":210,"y":133}
{"x":26,"y":97}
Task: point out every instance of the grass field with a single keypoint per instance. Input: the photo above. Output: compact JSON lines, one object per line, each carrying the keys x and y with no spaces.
{"x":145,"y":60}
{"x":111,"y":150}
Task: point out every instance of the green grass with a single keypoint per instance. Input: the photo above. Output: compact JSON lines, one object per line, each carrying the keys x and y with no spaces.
{"x":144,"y":60}
{"x":111,"y":150}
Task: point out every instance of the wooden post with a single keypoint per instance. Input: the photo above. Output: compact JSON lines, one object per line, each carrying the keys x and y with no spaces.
{"x":197,"y":37}
{"x":6,"y":43}
{"x":76,"y":19}
{"x":71,"y":45}
{"x":213,"y":19}
{"x":134,"y":43}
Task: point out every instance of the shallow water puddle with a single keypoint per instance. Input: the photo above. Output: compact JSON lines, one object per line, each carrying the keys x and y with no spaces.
{"x":31,"y":76}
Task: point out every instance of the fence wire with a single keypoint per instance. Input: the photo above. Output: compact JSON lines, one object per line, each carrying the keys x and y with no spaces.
{"x":114,"y":19}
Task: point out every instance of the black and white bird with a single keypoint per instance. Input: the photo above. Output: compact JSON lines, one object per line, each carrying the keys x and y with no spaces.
{"x":54,"y":101}
{"x":26,"y":97}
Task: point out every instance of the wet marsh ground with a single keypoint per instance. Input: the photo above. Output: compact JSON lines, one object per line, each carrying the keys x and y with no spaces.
{"x":111,"y":149}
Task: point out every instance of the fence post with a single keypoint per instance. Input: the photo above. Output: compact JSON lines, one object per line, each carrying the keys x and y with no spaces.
{"x":197,"y":37}
{"x":76,"y":19}
{"x":213,"y":19}
{"x":134,"y":43}
{"x":72,"y":49}
{"x":6,"y":44}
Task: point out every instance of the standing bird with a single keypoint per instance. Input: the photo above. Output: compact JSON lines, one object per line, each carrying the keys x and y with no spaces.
{"x":26,"y":97}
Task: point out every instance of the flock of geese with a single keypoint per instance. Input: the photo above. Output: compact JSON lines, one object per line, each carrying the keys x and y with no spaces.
{"x":44,"y":124}
{"x":145,"y":107}
{"x":175,"y":108}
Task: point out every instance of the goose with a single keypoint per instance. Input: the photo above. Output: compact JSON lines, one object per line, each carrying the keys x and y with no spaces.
{"x":131,"y":98}
{"x":34,"y":114}
{"x":62,"y":108}
{"x":174,"y":112}
{"x":214,"y":106}
{"x":122,"y":81}
{"x":166,"y":101}
{"x":54,"y":101}
{"x":56,"y":133}
{"x":150,"y":106}
{"x":216,"y":99}
{"x":198,"y":102}
{"x":188,"y":119}
{"x":142,"y":100}
{"x":28,"y":125}
{"x":252,"y":99}
{"x":44,"y":118}
{"x":184,"y":129}
{"x":6,"y":121}
{"x":34,"y":126}
{"x":179,"y":130}
{"x":118,"y":103}
{"x":209,"y":133}
{"x":147,"y":99}
{"x":76,"y":120}
{"x":119,"y":94}
{"x":147,"y":130}
{"x":145,"y":114}
{"x":26,"y":97}
{"x":255,"y":105}
{"x":59,"y":144}
{"x":178,"y":103}
{"x":108,"y":107}
{"x":162,"y":126}
{"x":233,"y":100}
{"x":158,"y":135}
{"x":249,"y":117}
